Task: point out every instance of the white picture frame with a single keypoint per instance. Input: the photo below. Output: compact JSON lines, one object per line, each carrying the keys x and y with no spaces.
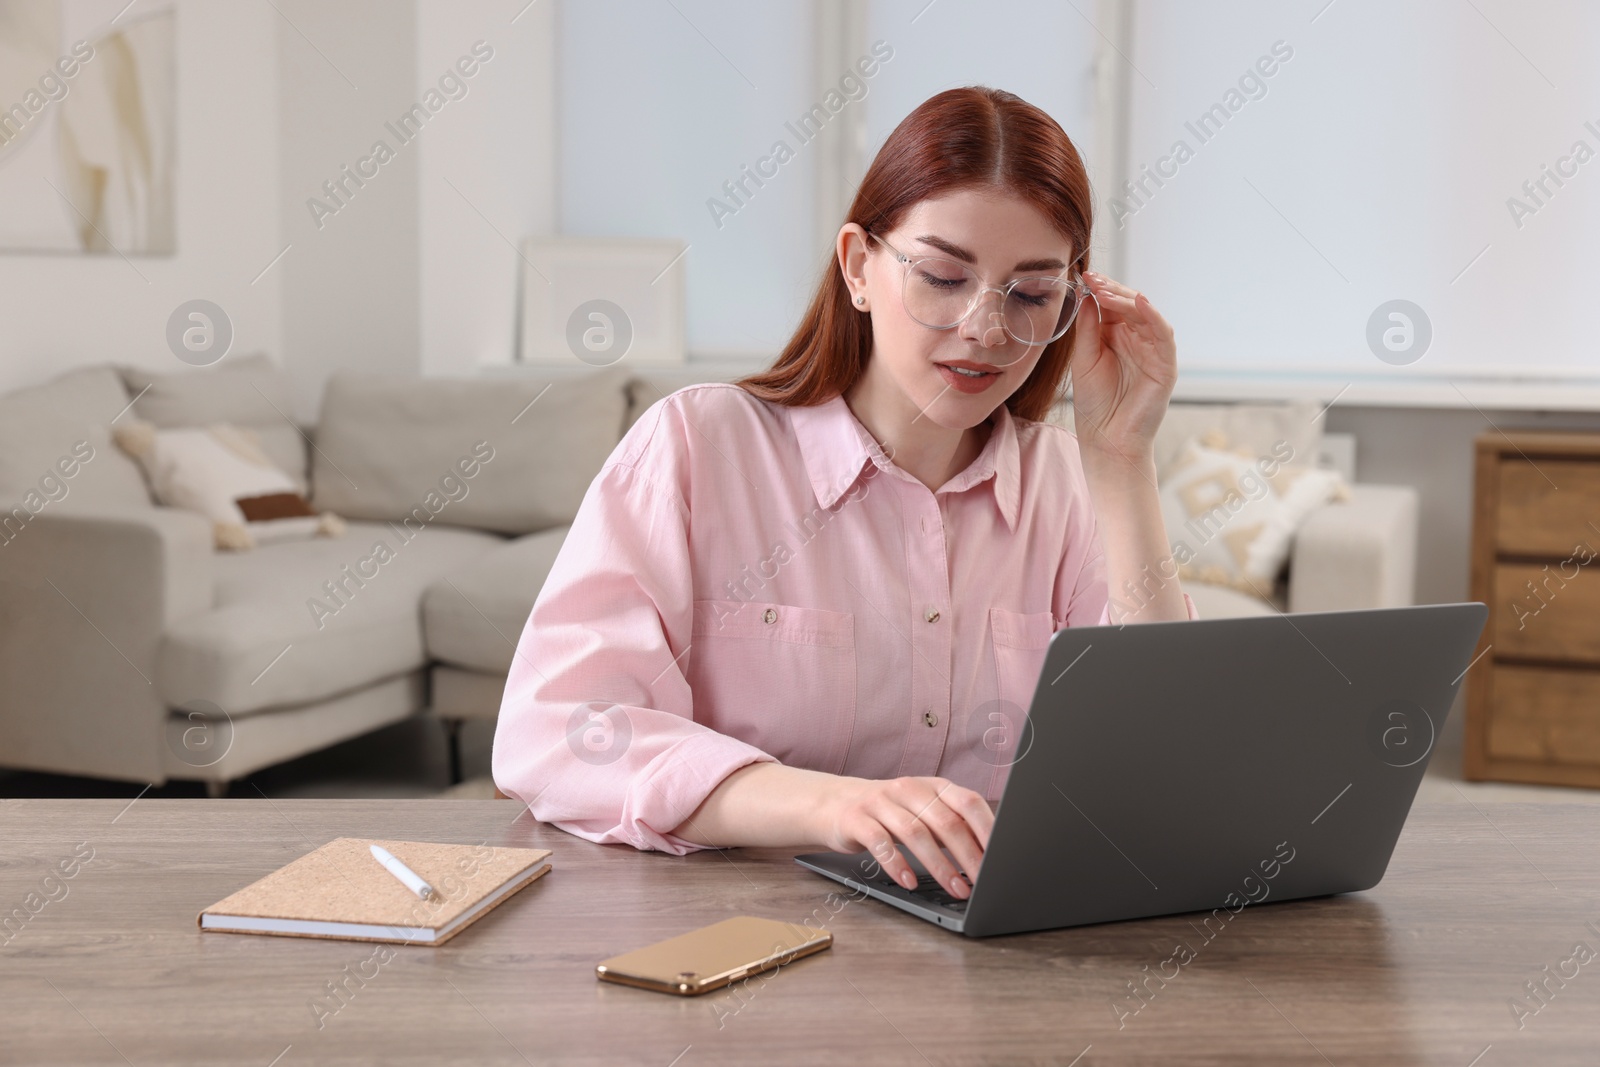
{"x":643,"y":277}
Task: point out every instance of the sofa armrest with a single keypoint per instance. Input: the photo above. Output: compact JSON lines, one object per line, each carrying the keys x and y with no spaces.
{"x":1358,"y":553}
{"x":85,"y":599}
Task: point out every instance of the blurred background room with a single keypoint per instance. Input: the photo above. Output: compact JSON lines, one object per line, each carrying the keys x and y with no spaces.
{"x":398,"y":274}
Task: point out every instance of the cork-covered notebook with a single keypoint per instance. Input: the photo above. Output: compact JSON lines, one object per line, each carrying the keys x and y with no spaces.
{"x":340,"y":891}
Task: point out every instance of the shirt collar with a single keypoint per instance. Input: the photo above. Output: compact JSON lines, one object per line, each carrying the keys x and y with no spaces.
{"x":836,"y":448}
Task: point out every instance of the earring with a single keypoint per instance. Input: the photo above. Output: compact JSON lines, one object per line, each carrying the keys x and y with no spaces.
{"x":861,"y":300}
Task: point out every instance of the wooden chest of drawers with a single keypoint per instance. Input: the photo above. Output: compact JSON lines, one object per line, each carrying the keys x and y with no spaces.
{"x":1533,"y":695}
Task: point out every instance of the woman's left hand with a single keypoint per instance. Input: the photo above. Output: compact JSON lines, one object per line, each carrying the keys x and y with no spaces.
{"x":1124,"y":365}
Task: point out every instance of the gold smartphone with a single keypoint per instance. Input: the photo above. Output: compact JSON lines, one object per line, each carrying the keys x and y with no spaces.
{"x":713,"y":956}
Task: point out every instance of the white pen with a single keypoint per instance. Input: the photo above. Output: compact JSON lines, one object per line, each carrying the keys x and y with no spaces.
{"x":412,"y":880}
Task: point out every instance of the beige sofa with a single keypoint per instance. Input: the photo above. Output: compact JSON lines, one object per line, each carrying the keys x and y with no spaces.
{"x":130,"y":649}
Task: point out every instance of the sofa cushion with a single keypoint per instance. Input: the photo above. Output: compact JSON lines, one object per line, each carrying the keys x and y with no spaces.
{"x":474,"y":616}
{"x":341,"y":613}
{"x":458,"y":693}
{"x":64,"y":426}
{"x":250,"y":391}
{"x":509,"y":454}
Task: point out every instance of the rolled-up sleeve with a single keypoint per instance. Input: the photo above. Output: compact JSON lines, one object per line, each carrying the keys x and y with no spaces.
{"x":596,"y":731}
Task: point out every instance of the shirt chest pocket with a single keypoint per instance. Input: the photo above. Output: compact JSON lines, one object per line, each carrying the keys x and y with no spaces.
{"x":1021,"y":639}
{"x":777,"y":676}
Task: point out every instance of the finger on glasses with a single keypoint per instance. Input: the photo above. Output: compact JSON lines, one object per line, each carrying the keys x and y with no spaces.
{"x":1137,"y":311}
{"x":1118,"y":295}
{"x":1105,"y":281}
{"x":1116,"y":292}
{"x":1121,"y":307}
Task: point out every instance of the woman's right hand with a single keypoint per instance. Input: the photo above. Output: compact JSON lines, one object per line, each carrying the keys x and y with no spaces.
{"x":922,"y":814}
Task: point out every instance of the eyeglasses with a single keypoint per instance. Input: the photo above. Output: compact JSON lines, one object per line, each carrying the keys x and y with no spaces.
{"x":940,"y":293}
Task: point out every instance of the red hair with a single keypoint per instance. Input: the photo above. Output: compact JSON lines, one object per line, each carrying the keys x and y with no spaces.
{"x":972,"y":137}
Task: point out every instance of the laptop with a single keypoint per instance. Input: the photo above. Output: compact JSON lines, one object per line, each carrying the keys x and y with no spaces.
{"x":1206,"y":764}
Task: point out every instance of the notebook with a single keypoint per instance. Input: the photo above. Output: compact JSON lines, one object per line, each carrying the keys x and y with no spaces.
{"x":340,"y":891}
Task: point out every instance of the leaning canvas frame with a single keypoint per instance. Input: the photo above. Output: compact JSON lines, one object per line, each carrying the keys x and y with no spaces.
{"x":644,"y":277}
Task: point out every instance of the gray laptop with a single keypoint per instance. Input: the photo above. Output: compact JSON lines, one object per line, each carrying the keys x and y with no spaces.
{"x":1191,"y":766}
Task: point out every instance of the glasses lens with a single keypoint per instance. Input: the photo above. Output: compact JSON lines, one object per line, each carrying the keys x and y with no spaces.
{"x":939,"y":293}
{"x":1039,"y":310}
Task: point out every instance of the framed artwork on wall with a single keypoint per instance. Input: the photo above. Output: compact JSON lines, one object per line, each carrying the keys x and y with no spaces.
{"x":88,"y":127}
{"x":602,"y":300}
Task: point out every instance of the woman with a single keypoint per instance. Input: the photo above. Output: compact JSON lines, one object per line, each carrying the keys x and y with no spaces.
{"x":809,"y":608}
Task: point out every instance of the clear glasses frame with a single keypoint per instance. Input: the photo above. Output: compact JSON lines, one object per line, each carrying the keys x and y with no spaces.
{"x":1077,"y":285}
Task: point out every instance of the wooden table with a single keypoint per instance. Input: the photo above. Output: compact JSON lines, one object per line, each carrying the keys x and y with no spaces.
{"x":1422,"y":969}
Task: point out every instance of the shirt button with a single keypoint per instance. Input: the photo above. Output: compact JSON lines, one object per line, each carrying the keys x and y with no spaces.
{"x":769,"y":616}
{"x":930,"y":718}
{"x":932,"y":615}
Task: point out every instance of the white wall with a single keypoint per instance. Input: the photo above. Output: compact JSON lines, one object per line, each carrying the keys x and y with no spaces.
{"x":60,"y":311}
{"x":350,"y":285}
{"x":487,"y":176}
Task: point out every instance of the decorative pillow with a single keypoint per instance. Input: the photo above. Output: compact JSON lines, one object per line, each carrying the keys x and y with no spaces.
{"x":221,"y":472}
{"x":247,"y":391}
{"x":1232,"y":514}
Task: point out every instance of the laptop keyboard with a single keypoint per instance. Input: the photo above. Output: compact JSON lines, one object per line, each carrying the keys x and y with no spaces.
{"x":928,"y":889}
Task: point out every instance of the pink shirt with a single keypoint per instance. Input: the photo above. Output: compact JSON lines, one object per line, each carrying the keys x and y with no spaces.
{"x":746,"y":581}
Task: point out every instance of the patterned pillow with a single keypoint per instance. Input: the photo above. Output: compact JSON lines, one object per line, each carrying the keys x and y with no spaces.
{"x":221,"y":472}
{"x":1231,"y":515}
